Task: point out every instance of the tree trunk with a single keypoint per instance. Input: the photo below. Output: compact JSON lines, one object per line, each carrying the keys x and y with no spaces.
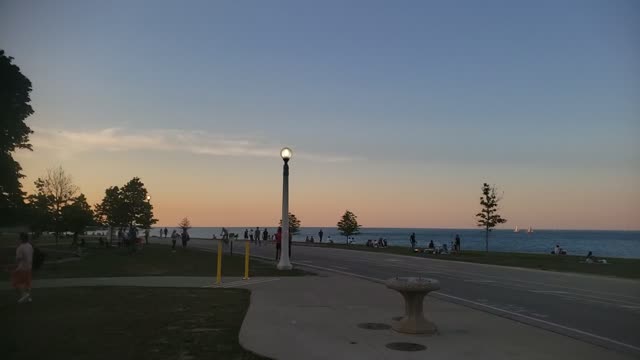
{"x":486,"y":239}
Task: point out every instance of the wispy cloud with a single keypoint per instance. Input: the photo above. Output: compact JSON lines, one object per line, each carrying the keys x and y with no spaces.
{"x":69,"y":142}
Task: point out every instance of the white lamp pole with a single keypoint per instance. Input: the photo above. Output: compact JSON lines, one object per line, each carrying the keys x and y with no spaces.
{"x":284,"y":263}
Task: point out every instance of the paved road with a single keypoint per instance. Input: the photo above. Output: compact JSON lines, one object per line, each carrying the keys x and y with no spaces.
{"x":601,"y":310}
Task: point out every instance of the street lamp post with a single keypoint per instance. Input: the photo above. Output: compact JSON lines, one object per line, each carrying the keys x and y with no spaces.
{"x":284,"y":263}
{"x":146,"y":231}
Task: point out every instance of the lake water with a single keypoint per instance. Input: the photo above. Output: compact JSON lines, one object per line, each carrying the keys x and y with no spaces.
{"x":576,"y":242}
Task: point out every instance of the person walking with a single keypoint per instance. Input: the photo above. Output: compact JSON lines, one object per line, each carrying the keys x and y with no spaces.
{"x":120,"y":237}
{"x":265,"y":235}
{"x":457,"y":243}
{"x":278,"y":243}
{"x":165,"y":232}
{"x":146,"y":236}
{"x":256,"y":235}
{"x":174,"y":238}
{"x":412,"y":238}
{"x":21,"y":275}
{"x":246,"y":234}
{"x":185,"y":238}
{"x":320,"y":235}
{"x":133,"y":237}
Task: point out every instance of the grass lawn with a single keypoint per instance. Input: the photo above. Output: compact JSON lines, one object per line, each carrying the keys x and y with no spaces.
{"x":124,"y":323}
{"x":152,"y":260}
{"x":620,"y":267}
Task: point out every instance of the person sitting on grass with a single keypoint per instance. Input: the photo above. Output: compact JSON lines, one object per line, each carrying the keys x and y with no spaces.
{"x":592,"y":259}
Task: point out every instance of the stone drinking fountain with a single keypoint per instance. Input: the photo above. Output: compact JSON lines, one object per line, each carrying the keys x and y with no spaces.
{"x":413,"y":289}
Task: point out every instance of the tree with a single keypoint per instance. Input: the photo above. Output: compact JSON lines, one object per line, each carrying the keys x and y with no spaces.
{"x":294,"y":224}
{"x":39,"y":218}
{"x":126,"y":206}
{"x":488,"y":216}
{"x":77,"y":216}
{"x":184,"y":224}
{"x":111,"y":211}
{"x":14,"y":134}
{"x":137,"y":205}
{"x":348,"y":225}
{"x":54,"y":192}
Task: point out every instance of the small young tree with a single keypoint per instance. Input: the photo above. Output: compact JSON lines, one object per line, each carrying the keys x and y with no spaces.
{"x":184,"y":224}
{"x":488,"y":216}
{"x":348,"y":225}
{"x":294,"y":224}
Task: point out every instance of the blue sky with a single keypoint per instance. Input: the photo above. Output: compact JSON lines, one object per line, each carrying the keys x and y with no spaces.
{"x":526,"y":94}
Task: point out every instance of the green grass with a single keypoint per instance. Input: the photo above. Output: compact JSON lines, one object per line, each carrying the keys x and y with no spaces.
{"x":620,"y":267}
{"x":124,"y":323}
{"x":152,"y":260}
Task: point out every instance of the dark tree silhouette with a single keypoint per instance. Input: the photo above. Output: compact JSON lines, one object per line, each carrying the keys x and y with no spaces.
{"x":14,"y":134}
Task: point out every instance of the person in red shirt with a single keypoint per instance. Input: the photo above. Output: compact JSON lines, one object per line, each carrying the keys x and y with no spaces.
{"x":278,"y":243}
{"x":21,"y":276}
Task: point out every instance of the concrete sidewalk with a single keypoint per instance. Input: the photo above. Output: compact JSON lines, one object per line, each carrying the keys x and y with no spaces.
{"x":317,"y":317}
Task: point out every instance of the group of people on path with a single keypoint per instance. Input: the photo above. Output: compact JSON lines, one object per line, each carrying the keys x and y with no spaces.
{"x":256,"y":236}
{"x":184,"y":236}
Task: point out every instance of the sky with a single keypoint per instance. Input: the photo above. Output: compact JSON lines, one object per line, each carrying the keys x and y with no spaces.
{"x":397,"y":111}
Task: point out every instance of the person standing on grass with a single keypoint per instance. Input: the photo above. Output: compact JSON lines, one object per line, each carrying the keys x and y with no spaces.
{"x":256,"y":236}
{"x":278,"y":243}
{"x":320,"y":234}
{"x":412,"y":238}
{"x":21,"y":276}
{"x":290,"y":239}
{"x":174,"y":238}
{"x":185,"y":238}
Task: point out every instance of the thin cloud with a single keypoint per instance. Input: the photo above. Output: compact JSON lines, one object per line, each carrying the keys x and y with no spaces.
{"x":69,"y":142}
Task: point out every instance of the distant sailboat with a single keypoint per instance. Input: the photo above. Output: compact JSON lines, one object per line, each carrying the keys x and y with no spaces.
{"x":530,"y":230}
{"x":516,"y":229}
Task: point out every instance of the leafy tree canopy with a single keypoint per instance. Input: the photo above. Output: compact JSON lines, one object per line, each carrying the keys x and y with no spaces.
{"x":348,"y":224}
{"x":294,"y":224}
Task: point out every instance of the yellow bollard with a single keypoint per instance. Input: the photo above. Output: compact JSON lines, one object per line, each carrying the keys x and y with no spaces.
{"x":219,"y":270}
{"x":246,"y":261}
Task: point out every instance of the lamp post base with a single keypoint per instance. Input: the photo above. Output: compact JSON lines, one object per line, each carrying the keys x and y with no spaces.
{"x":284,"y":265}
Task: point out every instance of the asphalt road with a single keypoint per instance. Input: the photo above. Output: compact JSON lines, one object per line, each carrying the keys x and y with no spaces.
{"x":600,"y":310}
